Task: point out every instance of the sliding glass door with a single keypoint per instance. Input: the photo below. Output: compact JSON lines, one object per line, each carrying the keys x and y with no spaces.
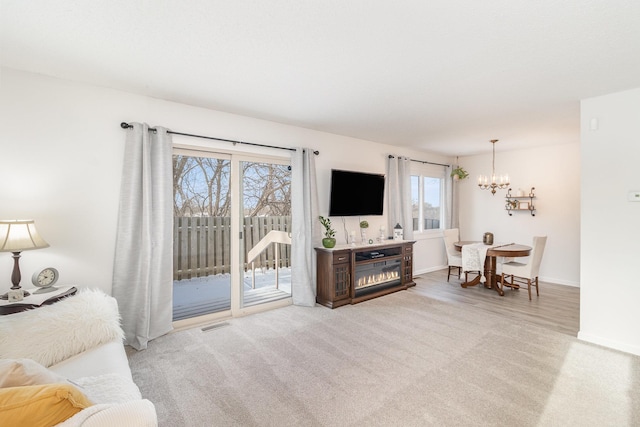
{"x":232,"y":223}
{"x":202,"y":234}
{"x":266,"y":227}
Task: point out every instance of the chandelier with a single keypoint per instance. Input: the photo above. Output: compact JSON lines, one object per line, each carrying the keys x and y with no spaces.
{"x":501,"y":182}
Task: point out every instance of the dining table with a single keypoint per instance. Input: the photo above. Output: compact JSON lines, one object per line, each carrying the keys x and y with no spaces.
{"x":507,"y":250}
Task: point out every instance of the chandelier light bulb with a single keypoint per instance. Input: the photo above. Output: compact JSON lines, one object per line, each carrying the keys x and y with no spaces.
{"x":501,"y":183}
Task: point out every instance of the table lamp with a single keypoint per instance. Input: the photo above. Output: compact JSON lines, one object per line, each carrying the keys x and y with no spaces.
{"x":17,"y":236}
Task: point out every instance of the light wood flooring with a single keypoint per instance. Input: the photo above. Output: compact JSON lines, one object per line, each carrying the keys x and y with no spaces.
{"x":557,"y":307}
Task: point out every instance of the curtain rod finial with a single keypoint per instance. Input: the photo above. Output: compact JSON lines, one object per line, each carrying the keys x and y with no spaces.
{"x":125,"y":125}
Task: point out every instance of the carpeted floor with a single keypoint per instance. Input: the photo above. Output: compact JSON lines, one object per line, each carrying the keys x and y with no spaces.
{"x":400,"y":360}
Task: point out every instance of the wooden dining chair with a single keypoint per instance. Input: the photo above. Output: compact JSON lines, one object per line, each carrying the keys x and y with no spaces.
{"x":454,"y":257}
{"x":521,"y":274}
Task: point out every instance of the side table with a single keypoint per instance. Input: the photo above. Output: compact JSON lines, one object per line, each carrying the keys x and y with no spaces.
{"x":36,"y":300}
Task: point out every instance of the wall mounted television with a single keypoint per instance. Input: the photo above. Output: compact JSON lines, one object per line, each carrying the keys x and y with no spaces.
{"x":356,"y":193}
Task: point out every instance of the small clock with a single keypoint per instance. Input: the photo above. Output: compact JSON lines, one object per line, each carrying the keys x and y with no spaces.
{"x":45,"y":279}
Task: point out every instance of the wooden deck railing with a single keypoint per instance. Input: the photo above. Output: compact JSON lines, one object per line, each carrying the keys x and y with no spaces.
{"x":201,"y":245}
{"x":275,"y":238}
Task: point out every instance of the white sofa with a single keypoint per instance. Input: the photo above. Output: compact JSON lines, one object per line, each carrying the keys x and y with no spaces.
{"x":79,"y":339}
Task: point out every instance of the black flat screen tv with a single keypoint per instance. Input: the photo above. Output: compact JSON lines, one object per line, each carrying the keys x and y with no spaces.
{"x":356,"y":193}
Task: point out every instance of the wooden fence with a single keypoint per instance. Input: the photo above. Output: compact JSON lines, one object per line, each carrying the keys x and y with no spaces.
{"x":201,"y":245}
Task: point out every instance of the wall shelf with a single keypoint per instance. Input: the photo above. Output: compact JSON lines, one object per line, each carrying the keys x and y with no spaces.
{"x":520,"y":203}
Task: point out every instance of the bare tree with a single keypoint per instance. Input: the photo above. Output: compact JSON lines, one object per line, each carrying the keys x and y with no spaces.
{"x":201,"y":186}
{"x":267,"y":189}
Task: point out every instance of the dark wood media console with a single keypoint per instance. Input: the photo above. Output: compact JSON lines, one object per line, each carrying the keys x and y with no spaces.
{"x":352,"y":274}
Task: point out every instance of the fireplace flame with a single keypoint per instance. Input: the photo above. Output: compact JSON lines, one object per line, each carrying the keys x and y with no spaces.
{"x":375,"y":279}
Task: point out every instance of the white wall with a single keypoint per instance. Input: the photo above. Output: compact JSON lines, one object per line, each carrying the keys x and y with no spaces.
{"x":554,"y":171}
{"x":61,"y":157}
{"x":62,"y":147}
{"x":610,"y":290}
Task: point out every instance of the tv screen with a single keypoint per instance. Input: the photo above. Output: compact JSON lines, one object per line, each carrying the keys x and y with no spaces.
{"x":356,"y":193}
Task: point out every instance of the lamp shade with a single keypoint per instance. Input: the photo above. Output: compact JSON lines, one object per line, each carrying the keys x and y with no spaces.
{"x":19,"y":235}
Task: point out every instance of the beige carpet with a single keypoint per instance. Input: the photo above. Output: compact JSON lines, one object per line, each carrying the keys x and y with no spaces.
{"x":399,"y":360}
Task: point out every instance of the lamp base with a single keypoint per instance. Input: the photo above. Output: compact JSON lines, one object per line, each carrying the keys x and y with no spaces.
{"x":6,"y":296}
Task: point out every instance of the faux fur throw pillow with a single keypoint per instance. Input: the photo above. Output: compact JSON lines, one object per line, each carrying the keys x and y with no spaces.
{"x":53,"y":333}
{"x":108,"y":388}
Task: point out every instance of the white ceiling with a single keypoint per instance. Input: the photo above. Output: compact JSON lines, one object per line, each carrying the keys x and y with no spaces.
{"x":440,"y":75}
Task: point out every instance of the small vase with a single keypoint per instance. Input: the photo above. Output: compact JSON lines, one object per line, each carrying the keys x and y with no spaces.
{"x":363,"y":236}
{"x":329,"y":242}
{"x":487,"y":238}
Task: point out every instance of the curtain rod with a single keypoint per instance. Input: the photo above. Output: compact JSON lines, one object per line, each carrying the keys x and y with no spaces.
{"x":423,"y":161}
{"x":125,"y":125}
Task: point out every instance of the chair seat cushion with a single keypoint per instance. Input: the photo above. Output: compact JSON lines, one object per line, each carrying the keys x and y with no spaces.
{"x":455,"y":261}
{"x":515,"y":268}
{"x":514,"y":264}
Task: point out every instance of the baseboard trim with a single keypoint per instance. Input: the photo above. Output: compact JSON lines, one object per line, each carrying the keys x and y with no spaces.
{"x":615,"y":345}
{"x":542,"y":279}
{"x":559,"y":281}
{"x":428,"y":270}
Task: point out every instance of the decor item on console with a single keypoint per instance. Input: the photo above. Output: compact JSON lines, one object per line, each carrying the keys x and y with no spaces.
{"x":329,"y":240}
{"x":397,"y":232}
{"x":71,"y":346}
{"x":483,"y":180}
{"x":17,"y":236}
{"x":363,"y":231}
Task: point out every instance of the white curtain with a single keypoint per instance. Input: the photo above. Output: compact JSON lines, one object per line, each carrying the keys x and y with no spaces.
{"x":399,"y":195}
{"x":451,"y":217}
{"x":305,"y":234}
{"x":142,"y":272}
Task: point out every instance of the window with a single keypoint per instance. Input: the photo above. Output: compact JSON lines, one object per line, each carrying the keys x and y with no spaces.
{"x":427,"y":197}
